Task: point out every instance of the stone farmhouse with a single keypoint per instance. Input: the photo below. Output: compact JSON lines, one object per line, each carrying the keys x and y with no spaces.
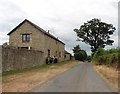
{"x":28,"y":35}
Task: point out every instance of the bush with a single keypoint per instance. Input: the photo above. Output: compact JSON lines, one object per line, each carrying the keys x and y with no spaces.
{"x":107,"y":57}
{"x":99,"y":52}
{"x":81,"y":56}
{"x":110,"y":59}
{"x":113,"y":50}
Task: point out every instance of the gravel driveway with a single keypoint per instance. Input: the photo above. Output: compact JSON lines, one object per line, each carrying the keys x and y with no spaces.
{"x":82,"y":78}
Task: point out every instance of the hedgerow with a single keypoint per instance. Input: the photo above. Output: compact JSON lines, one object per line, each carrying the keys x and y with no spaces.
{"x":107,"y":57}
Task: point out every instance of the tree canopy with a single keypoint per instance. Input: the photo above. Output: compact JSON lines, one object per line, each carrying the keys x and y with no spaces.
{"x":95,"y":33}
{"x":76,"y":49}
{"x":79,"y":54}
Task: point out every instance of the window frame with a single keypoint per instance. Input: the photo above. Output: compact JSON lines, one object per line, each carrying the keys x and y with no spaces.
{"x":26,"y":37}
{"x":59,"y":54}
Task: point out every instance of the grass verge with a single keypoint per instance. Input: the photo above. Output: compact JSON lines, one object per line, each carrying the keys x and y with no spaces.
{"x":109,"y":74}
{"x":26,"y":79}
{"x":36,"y":68}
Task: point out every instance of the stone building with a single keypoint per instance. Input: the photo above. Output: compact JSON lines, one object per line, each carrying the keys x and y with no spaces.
{"x":27,"y":35}
{"x":67,"y":55}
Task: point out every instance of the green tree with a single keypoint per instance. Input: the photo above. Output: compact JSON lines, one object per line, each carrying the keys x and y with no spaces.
{"x":79,"y":54}
{"x":76,"y":49}
{"x":96,"y":34}
{"x":83,"y":55}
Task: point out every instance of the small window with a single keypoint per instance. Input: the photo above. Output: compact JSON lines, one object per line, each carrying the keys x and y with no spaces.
{"x":59,"y":54}
{"x":65,"y":56}
{"x":25,"y":37}
{"x":24,"y":48}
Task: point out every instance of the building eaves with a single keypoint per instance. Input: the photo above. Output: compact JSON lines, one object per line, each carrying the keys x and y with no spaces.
{"x":66,"y":52}
{"x":37,"y":27}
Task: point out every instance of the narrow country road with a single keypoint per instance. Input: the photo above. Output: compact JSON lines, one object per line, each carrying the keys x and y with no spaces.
{"x":82,"y":78}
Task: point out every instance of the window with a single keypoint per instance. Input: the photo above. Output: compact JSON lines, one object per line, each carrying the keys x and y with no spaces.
{"x":24,"y":48}
{"x":59,"y":54}
{"x":25,"y":37}
{"x":65,"y":56}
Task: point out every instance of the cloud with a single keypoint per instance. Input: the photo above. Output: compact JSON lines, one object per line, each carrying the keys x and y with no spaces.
{"x":10,"y":16}
{"x":58,"y":16}
{"x":3,"y":38}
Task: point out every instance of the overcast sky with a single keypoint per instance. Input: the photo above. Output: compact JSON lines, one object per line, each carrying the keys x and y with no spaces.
{"x":58,"y":16}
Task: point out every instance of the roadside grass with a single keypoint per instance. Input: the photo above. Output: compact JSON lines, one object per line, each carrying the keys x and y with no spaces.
{"x":109,"y":74}
{"x":36,"y":68}
{"x":13,"y":72}
{"x":26,"y":79}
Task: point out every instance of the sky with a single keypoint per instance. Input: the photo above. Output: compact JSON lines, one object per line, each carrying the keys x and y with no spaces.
{"x":60,"y":17}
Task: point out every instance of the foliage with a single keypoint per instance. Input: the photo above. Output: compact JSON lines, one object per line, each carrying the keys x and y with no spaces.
{"x":84,"y":55}
{"x":99,"y":52}
{"x":107,"y":57}
{"x":113,"y":50}
{"x":79,"y":54}
{"x":76,"y":49}
{"x":89,"y":58}
{"x":95,"y":33}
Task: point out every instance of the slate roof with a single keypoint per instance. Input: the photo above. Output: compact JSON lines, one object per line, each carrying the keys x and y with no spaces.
{"x":66,"y":52}
{"x":37,"y":27}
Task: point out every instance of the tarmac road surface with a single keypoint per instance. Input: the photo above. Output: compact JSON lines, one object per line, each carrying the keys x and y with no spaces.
{"x":81,"y":78}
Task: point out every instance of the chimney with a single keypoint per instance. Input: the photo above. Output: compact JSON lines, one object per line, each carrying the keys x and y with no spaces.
{"x":48,"y":31}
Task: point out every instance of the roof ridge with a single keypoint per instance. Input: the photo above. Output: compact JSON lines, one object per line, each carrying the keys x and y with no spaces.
{"x":37,"y":27}
{"x":44,"y":31}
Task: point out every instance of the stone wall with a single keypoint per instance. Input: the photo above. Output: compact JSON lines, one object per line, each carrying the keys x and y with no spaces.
{"x":13,"y":59}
